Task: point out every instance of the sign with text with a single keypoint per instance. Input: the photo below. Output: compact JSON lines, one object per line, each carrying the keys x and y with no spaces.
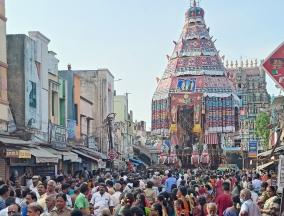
{"x":274,"y":65}
{"x":25,"y":154}
{"x":252,"y":150}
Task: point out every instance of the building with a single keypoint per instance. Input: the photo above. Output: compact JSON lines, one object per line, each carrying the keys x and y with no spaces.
{"x":28,"y":70}
{"x":72,"y":110}
{"x":123,"y":134}
{"x":53,"y":89}
{"x":277,"y":116}
{"x":140,"y":133}
{"x":194,"y":103}
{"x":87,"y":102}
{"x":5,"y":115}
{"x":249,"y":80}
{"x":39,"y":144}
{"x":100,"y":90}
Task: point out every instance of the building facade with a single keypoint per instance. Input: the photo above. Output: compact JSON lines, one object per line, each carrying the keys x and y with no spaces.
{"x":53,"y":89}
{"x":28,"y":70}
{"x":70,"y":95}
{"x":249,"y":81}
{"x":5,"y":114}
{"x":100,"y":90}
{"x":123,"y":134}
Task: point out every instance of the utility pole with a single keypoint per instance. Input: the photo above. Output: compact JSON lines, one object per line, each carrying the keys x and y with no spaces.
{"x":109,"y":121}
{"x":127,"y":121}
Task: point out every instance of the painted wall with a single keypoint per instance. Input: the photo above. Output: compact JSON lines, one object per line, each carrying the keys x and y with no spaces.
{"x":68,"y":76}
{"x":120,"y":108}
{"x":16,"y":77}
{"x":4,"y":107}
{"x":86,"y":114}
{"x":41,"y":57}
{"x":32,"y":85}
{"x":3,"y":52}
{"x":23,"y":74}
{"x":101,"y":93}
{"x":77,"y":105}
{"x":54,"y":88}
{"x":63,"y":101}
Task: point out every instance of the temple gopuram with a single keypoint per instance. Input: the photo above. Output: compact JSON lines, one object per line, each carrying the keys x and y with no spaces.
{"x":249,"y":81}
{"x":194,"y":104}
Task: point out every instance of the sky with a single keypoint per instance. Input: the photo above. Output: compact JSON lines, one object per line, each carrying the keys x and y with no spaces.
{"x":132,"y":37}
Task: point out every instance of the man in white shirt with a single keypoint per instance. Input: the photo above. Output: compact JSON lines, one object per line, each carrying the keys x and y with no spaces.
{"x":257,"y":183}
{"x":101,"y":200}
{"x":33,"y":186}
{"x":115,"y":197}
{"x":248,"y":208}
{"x":254,"y":195}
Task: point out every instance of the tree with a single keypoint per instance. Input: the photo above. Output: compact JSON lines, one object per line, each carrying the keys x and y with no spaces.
{"x":262,"y":128}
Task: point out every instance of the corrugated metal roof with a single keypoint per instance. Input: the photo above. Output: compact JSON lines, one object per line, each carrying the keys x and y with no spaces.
{"x":43,"y":156}
{"x":15,"y":141}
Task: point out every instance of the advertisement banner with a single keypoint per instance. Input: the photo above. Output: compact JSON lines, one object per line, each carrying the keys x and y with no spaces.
{"x":252,"y":151}
{"x":274,"y":65}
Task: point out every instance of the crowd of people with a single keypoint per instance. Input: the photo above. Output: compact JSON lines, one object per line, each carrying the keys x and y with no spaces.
{"x":162,"y":193}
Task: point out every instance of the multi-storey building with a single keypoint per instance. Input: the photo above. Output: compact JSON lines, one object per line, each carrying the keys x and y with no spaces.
{"x":28,"y":70}
{"x":97,"y":86}
{"x":123,"y":127}
{"x":5,"y":115}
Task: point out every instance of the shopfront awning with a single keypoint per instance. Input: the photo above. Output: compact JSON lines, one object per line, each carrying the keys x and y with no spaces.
{"x":65,"y":155}
{"x":85,"y":155}
{"x":71,"y":156}
{"x":94,"y":153}
{"x":14,"y":141}
{"x":267,"y":153}
{"x":43,"y":156}
{"x":136,"y":162}
{"x":263,"y":166}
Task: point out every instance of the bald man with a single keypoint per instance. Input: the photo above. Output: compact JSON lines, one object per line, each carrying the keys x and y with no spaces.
{"x":51,"y":185}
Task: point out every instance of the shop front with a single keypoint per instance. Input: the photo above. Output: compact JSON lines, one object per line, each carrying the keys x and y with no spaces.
{"x":88,"y":161}
{"x":14,"y":162}
{"x":68,"y":161}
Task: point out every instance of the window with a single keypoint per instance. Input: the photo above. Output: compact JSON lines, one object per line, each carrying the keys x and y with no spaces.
{"x":76,"y":113}
{"x":32,"y":94}
{"x":53,"y":103}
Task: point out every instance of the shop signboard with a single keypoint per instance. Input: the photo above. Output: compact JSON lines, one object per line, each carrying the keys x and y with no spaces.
{"x":252,"y":151}
{"x":274,"y":65}
{"x":101,"y":164}
{"x":24,"y":154}
{"x":45,"y":170}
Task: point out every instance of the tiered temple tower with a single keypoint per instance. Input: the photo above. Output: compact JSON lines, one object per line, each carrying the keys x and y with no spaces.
{"x":249,"y":81}
{"x":194,"y":102}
